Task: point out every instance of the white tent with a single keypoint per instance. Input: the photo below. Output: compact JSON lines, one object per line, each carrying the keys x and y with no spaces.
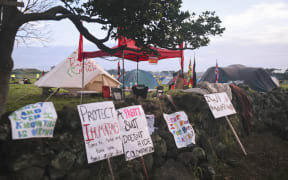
{"x":68,"y":75}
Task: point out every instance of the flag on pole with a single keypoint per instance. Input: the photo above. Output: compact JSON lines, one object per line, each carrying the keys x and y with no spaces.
{"x":216,"y":73}
{"x":194,"y":81}
{"x":118,"y":70}
{"x":80,"y":48}
{"x":182,"y":57}
{"x":189,"y":75}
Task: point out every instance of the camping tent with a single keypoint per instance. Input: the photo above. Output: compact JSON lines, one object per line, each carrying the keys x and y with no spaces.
{"x":167,"y":80}
{"x":68,"y":75}
{"x":256,"y":78}
{"x":144,"y":78}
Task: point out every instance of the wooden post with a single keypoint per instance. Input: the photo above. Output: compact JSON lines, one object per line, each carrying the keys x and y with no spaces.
{"x":144,"y":167}
{"x":123,"y":74}
{"x":83,"y":68}
{"x":110,"y":168}
{"x":236,"y":136}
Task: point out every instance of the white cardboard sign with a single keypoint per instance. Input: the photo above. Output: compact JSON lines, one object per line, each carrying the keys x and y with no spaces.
{"x":135,"y":135}
{"x":33,"y":120}
{"x":101,"y":130}
{"x":181,"y":129}
{"x":220,"y":104}
{"x":150,"y":122}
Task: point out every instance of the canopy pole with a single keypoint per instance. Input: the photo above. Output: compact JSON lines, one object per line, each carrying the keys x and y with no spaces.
{"x":123,"y":72}
{"x":83,"y":64}
{"x":137,"y":69}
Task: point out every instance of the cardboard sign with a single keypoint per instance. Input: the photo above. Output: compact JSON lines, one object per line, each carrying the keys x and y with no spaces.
{"x":150,"y":122}
{"x":33,"y":120}
{"x":181,"y":129}
{"x":101,"y":130}
{"x":135,"y":136}
{"x":220,"y":104}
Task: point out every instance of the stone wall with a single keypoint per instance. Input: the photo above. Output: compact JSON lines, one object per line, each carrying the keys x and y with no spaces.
{"x":64,"y":156}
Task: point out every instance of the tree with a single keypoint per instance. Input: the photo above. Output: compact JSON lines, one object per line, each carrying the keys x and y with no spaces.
{"x":156,"y":22}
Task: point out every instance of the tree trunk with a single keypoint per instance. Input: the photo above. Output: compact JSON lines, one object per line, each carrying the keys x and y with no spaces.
{"x":8,"y":30}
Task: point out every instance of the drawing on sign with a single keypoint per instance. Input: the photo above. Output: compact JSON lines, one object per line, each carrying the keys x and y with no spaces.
{"x":181,"y":129}
{"x":101,"y":130}
{"x":135,"y":136}
{"x":150,"y":122}
{"x":33,"y":120}
{"x":219,"y":104}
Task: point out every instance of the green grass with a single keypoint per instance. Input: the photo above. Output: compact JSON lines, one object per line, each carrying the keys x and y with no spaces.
{"x":284,"y":86}
{"x":23,"y":94}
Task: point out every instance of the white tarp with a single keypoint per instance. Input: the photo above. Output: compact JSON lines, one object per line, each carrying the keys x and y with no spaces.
{"x":68,"y":74}
{"x":33,"y":120}
{"x":135,"y":136}
{"x":101,"y":130}
{"x":220,"y":104}
{"x":178,"y":124}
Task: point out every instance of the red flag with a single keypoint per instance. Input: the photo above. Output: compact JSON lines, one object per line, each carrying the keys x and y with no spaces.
{"x":182,"y":57}
{"x":216,"y":73}
{"x":118,"y":71}
{"x":80,"y":48}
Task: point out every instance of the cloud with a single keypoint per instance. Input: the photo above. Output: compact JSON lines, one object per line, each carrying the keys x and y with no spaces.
{"x":264,"y":23}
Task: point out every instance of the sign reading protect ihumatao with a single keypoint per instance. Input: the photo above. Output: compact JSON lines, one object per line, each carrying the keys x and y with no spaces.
{"x":33,"y":121}
{"x":101,"y":130}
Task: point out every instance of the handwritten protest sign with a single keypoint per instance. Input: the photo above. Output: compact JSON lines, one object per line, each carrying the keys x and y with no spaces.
{"x":220,"y":104}
{"x":101,"y":130}
{"x":135,"y":136}
{"x":181,"y":129}
{"x":150,"y":122}
{"x":33,"y":120}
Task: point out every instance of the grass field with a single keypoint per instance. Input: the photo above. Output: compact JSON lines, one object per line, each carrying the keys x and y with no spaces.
{"x":284,"y":86}
{"x":23,"y":94}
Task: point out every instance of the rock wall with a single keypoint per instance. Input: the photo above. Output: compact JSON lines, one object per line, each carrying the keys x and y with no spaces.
{"x":64,"y":156}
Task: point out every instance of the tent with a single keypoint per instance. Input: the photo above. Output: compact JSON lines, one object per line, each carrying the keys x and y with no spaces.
{"x":167,"y":80}
{"x":136,"y":56}
{"x":256,"y":78}
{"x":144,"y":78}
{"x":68,"y":75}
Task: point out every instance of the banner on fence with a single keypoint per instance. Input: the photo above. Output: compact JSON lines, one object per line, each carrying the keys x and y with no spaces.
{"x":135,"y":136}
{"x":220,"y":104}
{"x":33,"y":120}
{"x":181,"y":129}
{"x":101,"y":130}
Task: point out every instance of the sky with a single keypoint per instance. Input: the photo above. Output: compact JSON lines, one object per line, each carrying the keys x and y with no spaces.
{"x":256,"y":35}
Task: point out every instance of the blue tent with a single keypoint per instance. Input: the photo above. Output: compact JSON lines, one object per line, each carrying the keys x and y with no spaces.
{"x":144,"y":78}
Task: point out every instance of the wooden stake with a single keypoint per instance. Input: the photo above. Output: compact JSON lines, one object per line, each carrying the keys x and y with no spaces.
{"x":236,"y":136}
{"x":83,"y":68}
{"x":144,"y":167}
{"x":110,"y":168}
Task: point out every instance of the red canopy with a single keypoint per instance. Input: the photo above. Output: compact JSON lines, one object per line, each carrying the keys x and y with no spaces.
{"x":135,"y":56}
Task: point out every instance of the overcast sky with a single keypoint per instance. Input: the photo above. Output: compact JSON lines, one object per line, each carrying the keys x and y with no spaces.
{"x":256,"y":35}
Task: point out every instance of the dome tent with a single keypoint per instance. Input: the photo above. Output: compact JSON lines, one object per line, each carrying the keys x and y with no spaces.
{"x":256,"y":78}
{"x":144,"y":78}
